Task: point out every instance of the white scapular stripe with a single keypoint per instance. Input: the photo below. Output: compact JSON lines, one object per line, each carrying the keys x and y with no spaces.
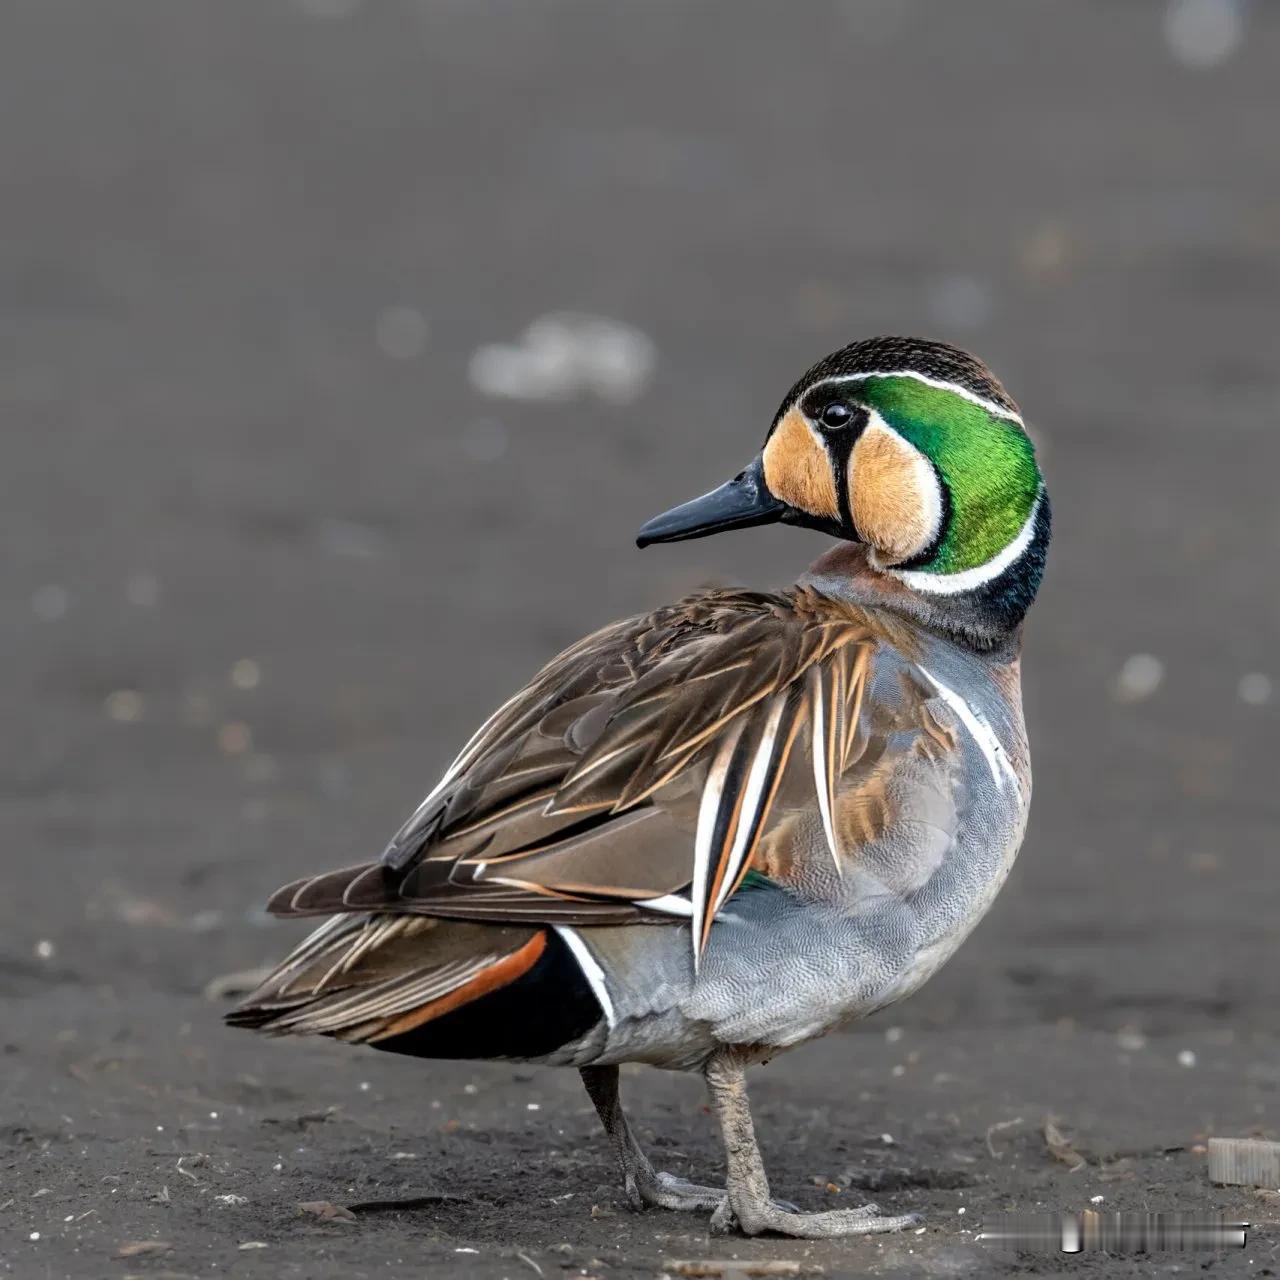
{"x":952,"y":584}
{"x":820,"y":770}
{"x":708,"y":812}
{"x":669,"y":904}
{"x":997,"y":759}
{"x":995,"y":410}
{"x":757,"y":780}
{"x":591,"y":969}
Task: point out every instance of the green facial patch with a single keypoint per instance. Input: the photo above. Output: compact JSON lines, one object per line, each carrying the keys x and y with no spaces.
{"x":987,"y":463}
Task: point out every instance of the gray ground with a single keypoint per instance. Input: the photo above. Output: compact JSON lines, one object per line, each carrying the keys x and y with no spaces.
{"x":219,"y":445}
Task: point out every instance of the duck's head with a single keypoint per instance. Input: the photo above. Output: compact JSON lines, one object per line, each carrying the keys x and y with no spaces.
{"x":910,"y":447}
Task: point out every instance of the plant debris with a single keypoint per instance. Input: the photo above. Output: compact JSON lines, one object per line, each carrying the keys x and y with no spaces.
{"x":1059,"y":1147}
{"x":993,"y":1129}
{"x":326,"y":1211}
{"x":140,"y":1248}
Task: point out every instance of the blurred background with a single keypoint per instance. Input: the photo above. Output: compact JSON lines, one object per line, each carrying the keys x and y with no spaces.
{"x":346,"y":345}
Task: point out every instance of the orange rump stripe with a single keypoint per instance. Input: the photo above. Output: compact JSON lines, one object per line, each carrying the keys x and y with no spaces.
{"x":497,"y":975}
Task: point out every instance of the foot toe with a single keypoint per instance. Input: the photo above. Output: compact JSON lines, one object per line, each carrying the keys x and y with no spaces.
{"x":666,"y":1191}
{"x":833,"y":1223}
{"x":723,"y":1222}
{"x":632,"y":1189}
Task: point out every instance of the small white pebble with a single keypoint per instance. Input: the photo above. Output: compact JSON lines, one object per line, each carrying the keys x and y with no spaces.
{"x":532,"y":1106}
{"x":887,"y":1139}
{"x":1095,"y":1199}
{"x":35,"y":1235}
{"x":159,"y":1128}
{"x":1255,"y":689}
{"x":253,"y":1244}
{"x":232,"y":1199}
{"x":277,"y":1167}
{"x":470,"y":1088}
{"x":50,"y":603}
{"x":44,"y":949}
{"x":1140,"y":676}
{"x":246,"y":674}
{"x":464,"y":1249}
{"x":960,"y":1209}
{"x":1186,"y":1058}
{"x":893,"y":1034}
{"x":899,"y":1070}
{"x":213,"y":1115}
{"x":365,"y":1086}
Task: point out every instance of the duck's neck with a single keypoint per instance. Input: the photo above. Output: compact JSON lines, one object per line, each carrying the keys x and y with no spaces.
{"x":986,"y":617}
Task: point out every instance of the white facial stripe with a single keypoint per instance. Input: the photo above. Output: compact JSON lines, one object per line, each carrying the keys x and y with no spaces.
{"x":591,"y":970}
{"x":952,"y":584}
{"x":964,"y":393}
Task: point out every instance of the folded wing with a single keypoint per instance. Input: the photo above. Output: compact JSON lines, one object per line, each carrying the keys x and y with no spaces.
{"x":642,"y":762}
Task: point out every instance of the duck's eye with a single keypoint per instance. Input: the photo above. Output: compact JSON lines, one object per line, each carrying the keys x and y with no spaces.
{"x":835,"y":415}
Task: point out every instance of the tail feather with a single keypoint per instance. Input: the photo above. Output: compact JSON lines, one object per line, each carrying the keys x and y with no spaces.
{"x":316,"y":895}
{"x":363,"y":978}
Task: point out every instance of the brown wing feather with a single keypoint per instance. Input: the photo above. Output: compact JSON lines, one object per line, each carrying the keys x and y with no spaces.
{"x":576,"y":798}
{"x":368,"y":978}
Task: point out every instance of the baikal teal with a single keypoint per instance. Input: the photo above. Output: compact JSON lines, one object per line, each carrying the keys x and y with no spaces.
{"x":710,"y":832}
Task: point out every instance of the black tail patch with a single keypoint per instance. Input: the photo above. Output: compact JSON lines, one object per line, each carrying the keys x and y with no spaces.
{"x":545,"y":1009}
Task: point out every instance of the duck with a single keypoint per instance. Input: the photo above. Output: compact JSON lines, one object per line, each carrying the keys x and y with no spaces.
{"x":709,"y":833}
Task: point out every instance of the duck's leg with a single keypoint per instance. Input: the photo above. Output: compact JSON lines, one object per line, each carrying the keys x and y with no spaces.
{"x":748,"y":1203}
{"x":645,"y":1185}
